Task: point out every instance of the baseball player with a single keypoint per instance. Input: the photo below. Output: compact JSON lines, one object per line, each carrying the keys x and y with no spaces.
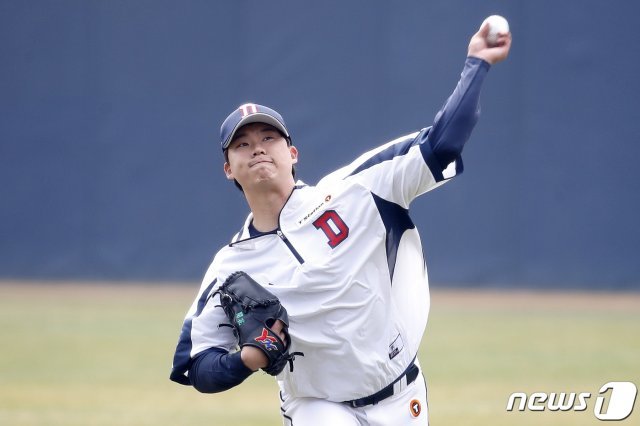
{"x":342,"y":257}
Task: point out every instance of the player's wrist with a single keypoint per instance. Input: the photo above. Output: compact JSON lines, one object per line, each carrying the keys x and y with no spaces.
{"x":253,"y":358}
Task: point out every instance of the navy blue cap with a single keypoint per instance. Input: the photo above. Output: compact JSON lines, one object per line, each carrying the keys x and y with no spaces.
{"x":250,"y":113}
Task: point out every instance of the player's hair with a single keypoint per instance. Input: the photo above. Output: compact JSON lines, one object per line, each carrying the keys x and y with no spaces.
{"x":235,"y":182}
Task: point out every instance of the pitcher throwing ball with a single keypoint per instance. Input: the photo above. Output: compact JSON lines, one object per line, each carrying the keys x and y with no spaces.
{"x":325,"y":286}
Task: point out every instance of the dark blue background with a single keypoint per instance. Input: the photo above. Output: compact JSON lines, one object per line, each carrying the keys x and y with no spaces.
{"x":109,"y":116}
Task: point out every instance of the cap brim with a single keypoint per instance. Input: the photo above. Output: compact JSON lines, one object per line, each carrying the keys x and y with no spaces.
{"x":258,"y":117}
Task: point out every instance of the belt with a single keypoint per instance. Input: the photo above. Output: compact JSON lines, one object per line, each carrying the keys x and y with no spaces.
{"x":406,"y":378}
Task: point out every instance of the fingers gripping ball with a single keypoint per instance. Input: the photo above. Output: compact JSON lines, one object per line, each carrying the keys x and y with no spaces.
{"x":498,"y":26}
{"x":252,"y":311}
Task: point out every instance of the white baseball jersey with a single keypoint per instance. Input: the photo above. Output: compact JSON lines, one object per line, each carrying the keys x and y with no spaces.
{"x":347,"y":264}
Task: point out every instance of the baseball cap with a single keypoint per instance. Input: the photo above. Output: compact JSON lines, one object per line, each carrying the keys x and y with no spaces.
{"x":250,"y":113}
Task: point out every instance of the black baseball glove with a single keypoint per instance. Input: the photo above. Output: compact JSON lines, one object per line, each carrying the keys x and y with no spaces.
{"x":252,"y":310}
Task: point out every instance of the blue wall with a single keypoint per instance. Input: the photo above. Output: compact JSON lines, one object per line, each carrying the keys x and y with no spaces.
{"x":109,"y":116}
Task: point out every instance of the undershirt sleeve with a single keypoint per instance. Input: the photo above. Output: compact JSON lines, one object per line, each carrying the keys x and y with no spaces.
{"x":454,"y":123}
{"x":216,"y":370}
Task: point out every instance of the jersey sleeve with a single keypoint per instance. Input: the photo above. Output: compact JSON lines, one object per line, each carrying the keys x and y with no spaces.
{"x":411,"y":165}
{"x":200,"y":331}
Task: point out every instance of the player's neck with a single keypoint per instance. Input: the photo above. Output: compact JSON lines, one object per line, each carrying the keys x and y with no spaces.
{"x":266,"y":204}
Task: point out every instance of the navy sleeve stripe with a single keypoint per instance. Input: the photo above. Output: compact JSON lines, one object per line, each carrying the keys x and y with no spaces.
{"x":182,"y":357}
{"x":402,"y":148}
{"x":395,"y":150}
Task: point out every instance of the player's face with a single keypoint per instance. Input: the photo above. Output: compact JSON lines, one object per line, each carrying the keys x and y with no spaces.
{"x":260,"y":155}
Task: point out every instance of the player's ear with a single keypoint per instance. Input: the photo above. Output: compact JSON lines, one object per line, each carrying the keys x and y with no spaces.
{"x":227,"y":170}
{"x":294,"y":154}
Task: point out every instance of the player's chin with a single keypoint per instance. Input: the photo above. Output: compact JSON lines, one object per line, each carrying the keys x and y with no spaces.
{"x":264,"y":171}
{"x":265,"y":176}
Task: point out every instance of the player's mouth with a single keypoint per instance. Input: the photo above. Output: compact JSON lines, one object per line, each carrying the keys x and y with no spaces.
{"x":261,"y":161}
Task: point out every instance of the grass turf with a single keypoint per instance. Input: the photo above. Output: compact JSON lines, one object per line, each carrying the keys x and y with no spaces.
{"x":100,"y":354}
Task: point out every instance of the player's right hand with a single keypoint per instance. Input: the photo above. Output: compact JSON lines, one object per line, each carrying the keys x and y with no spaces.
{"x":479,"y":46}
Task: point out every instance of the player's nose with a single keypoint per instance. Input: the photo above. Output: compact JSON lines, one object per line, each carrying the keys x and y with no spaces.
{"x":258,"y":149}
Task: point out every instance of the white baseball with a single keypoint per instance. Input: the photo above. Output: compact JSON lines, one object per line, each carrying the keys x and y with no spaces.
{"x":498,"y":25}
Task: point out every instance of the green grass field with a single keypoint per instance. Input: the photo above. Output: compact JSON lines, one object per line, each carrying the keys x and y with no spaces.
{"x":98,"y":354}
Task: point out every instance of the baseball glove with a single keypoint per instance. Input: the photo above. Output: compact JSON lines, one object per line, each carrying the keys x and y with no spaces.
{"x":252,"y":310}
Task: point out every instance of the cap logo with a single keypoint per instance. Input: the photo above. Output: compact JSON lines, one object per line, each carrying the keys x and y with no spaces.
{"x":247,"y":109}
